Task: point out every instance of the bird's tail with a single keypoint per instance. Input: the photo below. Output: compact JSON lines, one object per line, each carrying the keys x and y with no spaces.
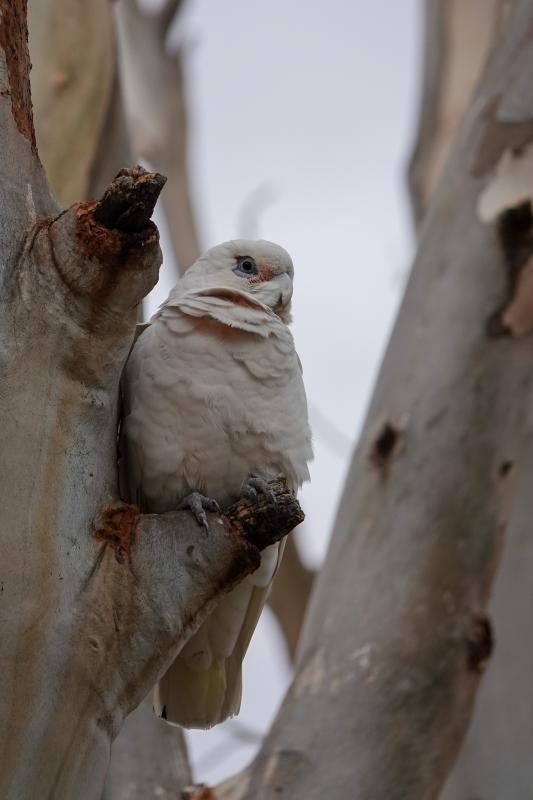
{"x":194,"y":699}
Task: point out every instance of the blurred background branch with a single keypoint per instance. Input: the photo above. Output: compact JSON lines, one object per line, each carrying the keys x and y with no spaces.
{"x":152,"y":74}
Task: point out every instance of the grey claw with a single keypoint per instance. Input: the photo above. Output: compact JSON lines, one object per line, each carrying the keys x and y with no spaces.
{"x":254,"y":485}
{"x":196,"y":503}
{"x":248,"y":491}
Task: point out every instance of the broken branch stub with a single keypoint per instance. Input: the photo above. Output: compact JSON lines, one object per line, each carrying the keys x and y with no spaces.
{"x":264,"y":520}
{"x":129,"y":202}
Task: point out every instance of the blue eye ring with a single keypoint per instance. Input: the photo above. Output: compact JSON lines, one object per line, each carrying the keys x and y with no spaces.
{"x":246,"y":266}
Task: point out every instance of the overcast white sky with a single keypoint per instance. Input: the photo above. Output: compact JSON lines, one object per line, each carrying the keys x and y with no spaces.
{"x":309,"y":106}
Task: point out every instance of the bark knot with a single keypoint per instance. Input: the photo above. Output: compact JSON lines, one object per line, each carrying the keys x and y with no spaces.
{"x":479,"y":643}
{"x":384,"y":445}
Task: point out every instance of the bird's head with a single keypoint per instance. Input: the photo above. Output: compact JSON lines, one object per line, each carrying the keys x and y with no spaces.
{"x":260,"y":268}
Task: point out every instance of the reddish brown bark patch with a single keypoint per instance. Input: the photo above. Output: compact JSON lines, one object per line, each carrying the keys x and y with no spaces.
{"x":14,"y":43}
{"x":199,"y":791}
{"x":109,"y":245}
{"x":116,"y":526}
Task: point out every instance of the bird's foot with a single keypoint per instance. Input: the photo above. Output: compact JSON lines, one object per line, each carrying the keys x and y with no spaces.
{"x":253,"y":486}
{"x":199,"y":504}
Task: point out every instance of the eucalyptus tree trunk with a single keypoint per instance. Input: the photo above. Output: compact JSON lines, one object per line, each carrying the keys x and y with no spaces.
{"x":398,"y":637}
{"x":95,"y":599}
{"x":495,"y":760}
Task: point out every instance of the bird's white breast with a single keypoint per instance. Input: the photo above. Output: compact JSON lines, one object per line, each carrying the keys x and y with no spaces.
{"x":211,"y":403}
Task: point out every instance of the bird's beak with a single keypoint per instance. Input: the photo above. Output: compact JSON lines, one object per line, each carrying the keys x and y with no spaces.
{"x":283,"y":284}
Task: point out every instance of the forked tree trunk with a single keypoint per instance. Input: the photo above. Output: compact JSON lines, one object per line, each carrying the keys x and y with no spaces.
{"x":397,"y":637}
{"x":95,"y":599}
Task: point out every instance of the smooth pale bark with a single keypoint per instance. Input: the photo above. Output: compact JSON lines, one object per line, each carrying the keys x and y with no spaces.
{"x":74,"y":71}
{"x":95,"y":600}
{"x":76,"y":89}
{"x":397,"y":636}
{"x":495,"y":760}
{"x":458,"y":39}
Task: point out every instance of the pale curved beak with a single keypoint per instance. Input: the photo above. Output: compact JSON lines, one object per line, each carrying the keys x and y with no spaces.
{"x":284,"y":284}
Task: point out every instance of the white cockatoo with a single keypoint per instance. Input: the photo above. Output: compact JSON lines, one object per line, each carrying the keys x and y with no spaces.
{"x":214,"y":407}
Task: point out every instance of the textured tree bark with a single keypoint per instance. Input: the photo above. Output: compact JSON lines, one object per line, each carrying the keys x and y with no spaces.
{"x":397,"y":636}
{"x":95,"y":599}
{"x":458,"y":38}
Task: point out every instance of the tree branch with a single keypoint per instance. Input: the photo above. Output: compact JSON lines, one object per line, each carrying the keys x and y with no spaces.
{"x":129,"y":202}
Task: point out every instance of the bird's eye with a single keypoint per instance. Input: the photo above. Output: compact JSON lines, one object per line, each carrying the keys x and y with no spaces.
{"x":246,"y":266}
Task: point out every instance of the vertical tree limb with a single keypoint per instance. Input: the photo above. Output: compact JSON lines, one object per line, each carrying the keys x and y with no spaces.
{"x":397,"y":636}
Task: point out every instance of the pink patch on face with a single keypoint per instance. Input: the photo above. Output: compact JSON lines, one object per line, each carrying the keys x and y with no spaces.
{"x":265,"y":274}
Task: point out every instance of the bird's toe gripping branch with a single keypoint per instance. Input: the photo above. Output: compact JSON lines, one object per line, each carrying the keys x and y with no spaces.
{"x":256,"y":521}
{"x":199,"y":504}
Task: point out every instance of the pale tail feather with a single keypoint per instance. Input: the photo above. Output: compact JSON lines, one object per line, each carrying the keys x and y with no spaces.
{"x":203,"y":698}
